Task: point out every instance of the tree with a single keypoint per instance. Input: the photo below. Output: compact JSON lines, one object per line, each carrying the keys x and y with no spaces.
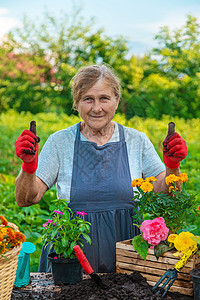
{"x":46,"y":56}
{"x":174,"y":88}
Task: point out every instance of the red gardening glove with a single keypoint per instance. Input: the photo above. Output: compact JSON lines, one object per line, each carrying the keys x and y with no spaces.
{"x":26,"y":147}
{"x":174,"y":150}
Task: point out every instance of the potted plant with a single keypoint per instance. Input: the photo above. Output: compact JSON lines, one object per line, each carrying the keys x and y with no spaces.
{"x":63,"y":230}
{"x":165,"y":233}
{"x":11,"y":240}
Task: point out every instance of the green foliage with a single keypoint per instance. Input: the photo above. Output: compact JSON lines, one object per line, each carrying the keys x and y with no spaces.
{"x":176,"y":208}
{"x":173,"y":86}
{"x":140,"y":245}
{"x":39,"y":61}
{"x":64,"y":230}
{"x":38,"y":78}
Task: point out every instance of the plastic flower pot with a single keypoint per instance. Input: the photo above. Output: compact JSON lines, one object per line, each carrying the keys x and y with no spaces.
{"x":195,"y":273}
{"x":65,"y":270}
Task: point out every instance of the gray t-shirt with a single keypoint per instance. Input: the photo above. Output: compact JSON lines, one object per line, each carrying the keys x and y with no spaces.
{"x":56,"y":157}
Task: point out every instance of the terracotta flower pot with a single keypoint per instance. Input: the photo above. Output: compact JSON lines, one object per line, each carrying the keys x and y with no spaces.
{"x":64,"y":270}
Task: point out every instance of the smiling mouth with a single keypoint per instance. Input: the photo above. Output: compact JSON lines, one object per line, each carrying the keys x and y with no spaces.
{"x":97,"y":117}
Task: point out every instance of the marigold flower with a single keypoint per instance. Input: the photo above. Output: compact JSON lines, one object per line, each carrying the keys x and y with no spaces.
{"x":171,"y":179}
{"x":146,"y":187}
{"x":183,"y":177}
{"x":11,"y":233}
{"x":172,"y":188}
{"x":3,"y":221}
{"x":20,"y":237}
{"x":149,"y":179}
{"x":183,"y":242}
{"x":137,"y":182}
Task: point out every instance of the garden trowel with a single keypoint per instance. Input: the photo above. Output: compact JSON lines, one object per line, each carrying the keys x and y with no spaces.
{"x":87,"y":267}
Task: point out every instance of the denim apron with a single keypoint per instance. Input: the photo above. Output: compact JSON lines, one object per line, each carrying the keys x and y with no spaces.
{"x":101,"y":187}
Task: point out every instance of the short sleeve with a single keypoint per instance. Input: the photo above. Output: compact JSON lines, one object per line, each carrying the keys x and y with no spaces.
{"x":48,"y":163}
{"x":151,"y":162}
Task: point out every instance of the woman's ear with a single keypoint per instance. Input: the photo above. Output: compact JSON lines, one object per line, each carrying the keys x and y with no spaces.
{"x":117,"y":102}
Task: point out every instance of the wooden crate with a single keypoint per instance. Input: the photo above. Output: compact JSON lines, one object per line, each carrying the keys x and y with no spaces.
{"x":128,"y":260}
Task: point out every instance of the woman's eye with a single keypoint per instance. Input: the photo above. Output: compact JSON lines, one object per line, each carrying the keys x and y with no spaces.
{"x":88,"y":99}
{"x":104,"y":99}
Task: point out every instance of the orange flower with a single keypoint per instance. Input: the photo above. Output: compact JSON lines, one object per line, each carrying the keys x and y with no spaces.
{"x":171,"y":179}
{"x":11,"y":233}
{"x":172,"y":188}
{"x":137,"y":182}
{"x":3,"y":221}
{"x":149,"y":179}
{"x":19,"y":238}
{"x":9,"y":238}
{"x":183,"y":177}
{"x":146,"y":187}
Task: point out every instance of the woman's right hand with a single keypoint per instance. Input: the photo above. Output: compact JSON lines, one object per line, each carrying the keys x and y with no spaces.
{"x":26,"y":147}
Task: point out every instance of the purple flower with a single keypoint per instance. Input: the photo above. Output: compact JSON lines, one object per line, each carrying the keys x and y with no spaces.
{"x":82,"y":213}
{"x":59,"y":212}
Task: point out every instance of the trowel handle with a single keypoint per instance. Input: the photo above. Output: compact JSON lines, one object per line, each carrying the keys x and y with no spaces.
{"x":83,"y":260}
{"x":23,"y":266}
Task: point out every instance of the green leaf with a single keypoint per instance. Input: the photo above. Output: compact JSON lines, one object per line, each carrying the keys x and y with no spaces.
{"x":162,"y":248}
{"x":87,"y":238}
{"x":196,"y":238}
{"x":140,"y":245}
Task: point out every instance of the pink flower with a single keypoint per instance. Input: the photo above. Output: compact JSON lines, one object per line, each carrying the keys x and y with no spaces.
{"x":154,"y":231}
{"x":82,"y":213}
{"x":55,"y":257}
{"x":59,"y":212}
{"x":199,"y":207}
{"x":45,"y":224}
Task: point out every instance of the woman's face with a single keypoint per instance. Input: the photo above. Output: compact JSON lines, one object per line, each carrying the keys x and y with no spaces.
{"x":97,"y":106}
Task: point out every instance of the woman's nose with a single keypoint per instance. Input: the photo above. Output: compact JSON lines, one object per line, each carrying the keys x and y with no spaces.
{"x":96,"y":107}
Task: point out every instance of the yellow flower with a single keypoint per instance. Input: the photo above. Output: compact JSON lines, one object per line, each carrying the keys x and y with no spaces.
{"x":183,"y":177}
{"x":171,"y":179}
{"x":171,"y":188}
{"x":171,"y":238}
{"x":137,"y":182}
{"x":146,"y":187}
{"x":183,"y":242}
{"x":149,"y":179}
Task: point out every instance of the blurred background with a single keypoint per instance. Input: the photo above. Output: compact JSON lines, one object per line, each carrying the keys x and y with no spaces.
{"x":154,"y":49}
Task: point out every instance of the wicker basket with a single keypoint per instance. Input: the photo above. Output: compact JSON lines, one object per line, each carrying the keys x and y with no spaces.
{"x":8,"y":270}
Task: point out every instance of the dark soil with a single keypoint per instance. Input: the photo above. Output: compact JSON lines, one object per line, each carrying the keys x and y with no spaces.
{"x":117,"y":286}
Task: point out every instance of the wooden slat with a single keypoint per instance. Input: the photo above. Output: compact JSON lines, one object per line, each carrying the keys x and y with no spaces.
{"x":153,"y":266}
{"x":163,"y":259}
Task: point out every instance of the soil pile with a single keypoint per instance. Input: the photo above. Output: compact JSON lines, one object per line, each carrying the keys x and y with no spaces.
{"x":117,"y":287}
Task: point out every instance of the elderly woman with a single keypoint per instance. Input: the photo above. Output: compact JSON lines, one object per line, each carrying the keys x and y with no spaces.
{"x":93,"y":163}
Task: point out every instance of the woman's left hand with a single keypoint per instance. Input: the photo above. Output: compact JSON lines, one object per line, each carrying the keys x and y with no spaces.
{"x":174,"y":150}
